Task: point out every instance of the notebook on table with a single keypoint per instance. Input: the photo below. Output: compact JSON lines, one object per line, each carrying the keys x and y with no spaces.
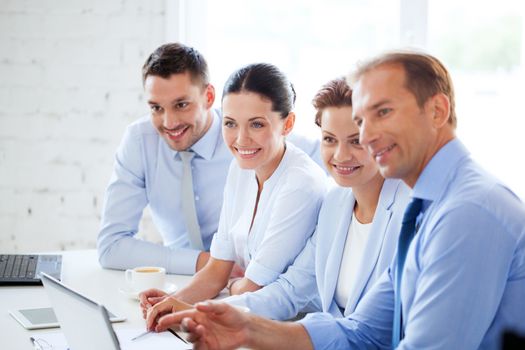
{"x":26,"y":269}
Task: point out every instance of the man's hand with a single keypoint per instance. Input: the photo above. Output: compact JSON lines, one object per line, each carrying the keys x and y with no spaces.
{"x":215,"y":325}
{"x":210,"y":325}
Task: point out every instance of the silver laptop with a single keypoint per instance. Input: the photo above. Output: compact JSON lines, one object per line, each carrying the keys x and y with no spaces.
{"x":25,"y":269}
{"x":84,"y":323}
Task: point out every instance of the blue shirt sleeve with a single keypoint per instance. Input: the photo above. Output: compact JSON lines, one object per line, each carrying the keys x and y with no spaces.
{"x":369,"y":327}
{"x":126,"y":197}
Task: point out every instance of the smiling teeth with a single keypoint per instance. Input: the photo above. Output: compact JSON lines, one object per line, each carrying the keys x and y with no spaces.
{"x":345,"y":168}
{"x":176,"y":133}
{"x":379,"y":154}
{"x":246,"y":152}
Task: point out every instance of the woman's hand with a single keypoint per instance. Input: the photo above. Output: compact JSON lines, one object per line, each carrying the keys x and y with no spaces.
{"x":150,"y":297}
{"x":167,"y":306}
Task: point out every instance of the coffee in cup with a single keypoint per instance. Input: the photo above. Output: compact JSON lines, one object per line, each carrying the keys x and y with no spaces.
{"x":145,"y":277}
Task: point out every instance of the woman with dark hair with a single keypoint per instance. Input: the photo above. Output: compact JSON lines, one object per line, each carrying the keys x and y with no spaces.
{"x":272,"y":196}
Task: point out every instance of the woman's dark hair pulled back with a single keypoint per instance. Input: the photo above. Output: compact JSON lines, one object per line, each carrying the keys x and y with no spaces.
{"x":266,"y":80}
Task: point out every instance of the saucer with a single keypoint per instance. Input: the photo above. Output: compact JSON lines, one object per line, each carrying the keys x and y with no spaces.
{"x":133,"y":294}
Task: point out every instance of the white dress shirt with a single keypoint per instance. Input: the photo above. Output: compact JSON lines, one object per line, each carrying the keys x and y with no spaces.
{"x":286,"y":216}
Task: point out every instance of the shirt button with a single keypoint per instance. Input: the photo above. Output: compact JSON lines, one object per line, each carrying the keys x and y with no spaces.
{"x":197,"y":198}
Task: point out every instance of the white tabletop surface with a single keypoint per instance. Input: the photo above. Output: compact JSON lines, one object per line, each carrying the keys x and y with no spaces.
{"x":80,"y":271}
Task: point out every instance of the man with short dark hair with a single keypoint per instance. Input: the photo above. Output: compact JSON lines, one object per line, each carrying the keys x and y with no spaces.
{"x":148,"y":167}
{"x":173,"y":160}
{"x":458,"y":279}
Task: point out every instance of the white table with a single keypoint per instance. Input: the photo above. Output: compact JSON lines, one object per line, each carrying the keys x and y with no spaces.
{"x":80,"y":271}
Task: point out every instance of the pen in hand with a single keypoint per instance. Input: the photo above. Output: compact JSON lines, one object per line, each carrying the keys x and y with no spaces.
{"x":148,"y":332}
{"x":141,"y":335}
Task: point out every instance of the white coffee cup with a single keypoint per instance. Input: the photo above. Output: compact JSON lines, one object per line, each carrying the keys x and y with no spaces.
{"x":145,"y":277}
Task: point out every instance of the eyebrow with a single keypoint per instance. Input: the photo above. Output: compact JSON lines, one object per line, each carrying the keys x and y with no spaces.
{"x":372,"y":107}
{"x":379,"y":104}
{"x":177,"y":100}
{"x":348,"y":137}
{"x":251,"y":119}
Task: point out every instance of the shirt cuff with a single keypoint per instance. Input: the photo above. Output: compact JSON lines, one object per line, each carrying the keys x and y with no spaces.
{"x":260,"y":274}
{"x":319,"y":325}
{"x":235,"y":300}
{"x":222,"y":249}
{"x":183,"y":261}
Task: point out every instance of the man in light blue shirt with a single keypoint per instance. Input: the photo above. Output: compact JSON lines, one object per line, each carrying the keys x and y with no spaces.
{"x":463,"y":280}
{"x":148,"y":167}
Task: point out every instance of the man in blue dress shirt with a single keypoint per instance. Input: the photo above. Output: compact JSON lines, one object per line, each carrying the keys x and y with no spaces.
{"x":463,"y":281}
{"x":148,"y":168}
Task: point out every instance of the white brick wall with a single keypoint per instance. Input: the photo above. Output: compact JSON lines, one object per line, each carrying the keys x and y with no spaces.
{"x":69,"y":84}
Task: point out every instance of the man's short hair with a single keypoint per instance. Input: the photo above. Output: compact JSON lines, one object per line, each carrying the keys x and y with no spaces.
{"x":176,"y":58}
{"x":425,"y":76}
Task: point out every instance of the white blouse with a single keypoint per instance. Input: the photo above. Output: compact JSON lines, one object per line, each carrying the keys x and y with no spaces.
{"x":286,"y":216}
{"x":351,"y":262}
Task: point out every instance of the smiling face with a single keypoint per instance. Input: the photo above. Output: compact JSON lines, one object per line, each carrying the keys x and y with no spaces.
{"x":254,"y":133}
{"x":398,"y":133}
{"x":345,"y":159}
{"x":180,"y":109}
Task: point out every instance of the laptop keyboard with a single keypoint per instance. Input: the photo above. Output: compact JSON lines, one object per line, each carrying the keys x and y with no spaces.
{"x":18,"y":266}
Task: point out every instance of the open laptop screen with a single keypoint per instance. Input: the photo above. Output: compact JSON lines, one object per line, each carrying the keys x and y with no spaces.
{"x":85,"y":323}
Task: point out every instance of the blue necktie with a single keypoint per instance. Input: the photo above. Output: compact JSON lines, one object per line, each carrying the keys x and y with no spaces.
{"x":408,"y":231}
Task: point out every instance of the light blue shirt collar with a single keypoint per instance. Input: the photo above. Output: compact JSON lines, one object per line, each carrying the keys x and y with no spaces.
{"x":205,"y":146}
{"x":434,"y":178}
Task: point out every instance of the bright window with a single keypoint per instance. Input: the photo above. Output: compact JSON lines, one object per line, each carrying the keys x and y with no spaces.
{"x":311,"y":41}
{"x":315,"y":41}
{"x":483,"y":47}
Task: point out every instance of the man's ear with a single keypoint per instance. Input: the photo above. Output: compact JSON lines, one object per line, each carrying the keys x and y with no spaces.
{"x":210,"y":96}
{"x":289,"y":122}
{"x":440,"y":105}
